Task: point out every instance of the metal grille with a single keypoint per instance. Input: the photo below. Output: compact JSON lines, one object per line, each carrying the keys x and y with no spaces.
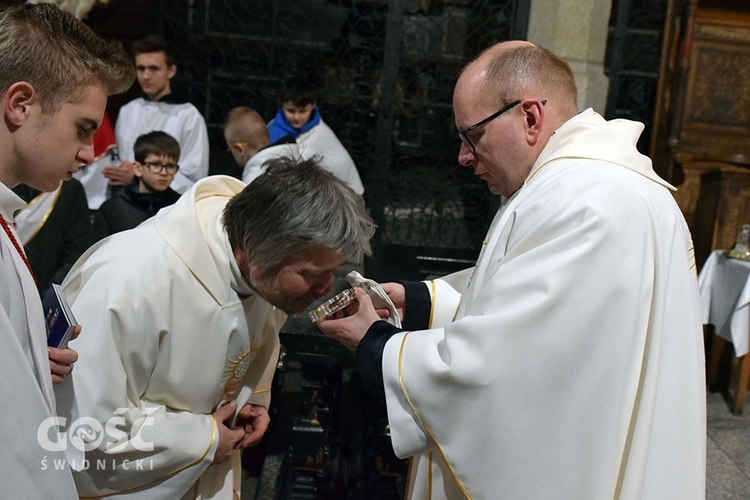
{"x":633,"y":56}
{"x":386,"y":71}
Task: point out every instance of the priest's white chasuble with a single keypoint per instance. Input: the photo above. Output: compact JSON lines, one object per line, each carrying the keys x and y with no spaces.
{"x":568,"y":363}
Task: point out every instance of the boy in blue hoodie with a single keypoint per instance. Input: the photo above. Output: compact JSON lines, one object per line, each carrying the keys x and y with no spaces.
{"x":299,"y":117}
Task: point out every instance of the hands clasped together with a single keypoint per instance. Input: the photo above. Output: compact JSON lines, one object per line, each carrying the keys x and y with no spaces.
{"x":252,"y":424}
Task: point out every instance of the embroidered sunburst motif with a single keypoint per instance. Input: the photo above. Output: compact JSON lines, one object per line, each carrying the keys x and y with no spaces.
{"x":237,"y":368}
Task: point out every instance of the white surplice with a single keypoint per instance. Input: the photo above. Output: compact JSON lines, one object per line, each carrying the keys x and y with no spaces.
{"x":321,"y":141}
{"x":256,"y":165}
{"x":167,"y":338}
{"x":568,"y":363}
{"x":29,"y":468}
{"x":182,"y":121}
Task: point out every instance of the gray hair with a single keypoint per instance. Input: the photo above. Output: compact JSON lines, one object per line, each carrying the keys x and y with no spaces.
{"x":58,"y":54}
{"x":293,"y":206}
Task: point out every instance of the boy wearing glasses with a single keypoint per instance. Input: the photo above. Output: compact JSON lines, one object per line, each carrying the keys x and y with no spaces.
{"x":155,"y":166}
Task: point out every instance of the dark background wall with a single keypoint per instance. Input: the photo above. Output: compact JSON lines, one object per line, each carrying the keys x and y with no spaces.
{"x":385,"y":71}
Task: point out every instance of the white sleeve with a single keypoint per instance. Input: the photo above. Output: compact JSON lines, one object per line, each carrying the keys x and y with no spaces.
{"x":193,"y":152}
{"x":407,"y":437}
{"x":445,"y":295}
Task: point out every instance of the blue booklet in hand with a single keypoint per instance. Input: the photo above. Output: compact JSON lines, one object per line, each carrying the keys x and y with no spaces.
{"x":58,"y":317}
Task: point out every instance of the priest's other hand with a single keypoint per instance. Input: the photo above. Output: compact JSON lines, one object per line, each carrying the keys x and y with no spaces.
{"x":119,"y":175}
{"x":397,"y":294}
{"x":254,"y":420}
{"x":350,"y":330}
{"x":229,"y":439}
{"x":61,"y":360}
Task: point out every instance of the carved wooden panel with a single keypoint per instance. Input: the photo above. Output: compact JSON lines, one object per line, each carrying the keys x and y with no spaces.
{"x":716,"y":118}
{"x":702,"y":122}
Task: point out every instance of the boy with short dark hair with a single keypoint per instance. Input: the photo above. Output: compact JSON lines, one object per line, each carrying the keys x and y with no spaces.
{"x":155,"y":166}
{"x":299,"y":116}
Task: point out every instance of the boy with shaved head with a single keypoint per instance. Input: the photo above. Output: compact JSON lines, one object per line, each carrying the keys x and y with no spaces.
{"x":248,"y":141}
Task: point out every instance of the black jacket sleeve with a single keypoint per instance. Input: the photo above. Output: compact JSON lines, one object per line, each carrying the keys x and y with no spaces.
{"x":369,"y":357}
{"x":418,"y":306}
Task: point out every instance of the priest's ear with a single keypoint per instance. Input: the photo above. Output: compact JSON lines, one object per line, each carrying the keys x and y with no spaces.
{"x":17,"y":102}
{"x":534,"y":118}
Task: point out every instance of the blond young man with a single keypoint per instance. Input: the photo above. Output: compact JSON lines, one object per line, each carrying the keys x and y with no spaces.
{"x":55,"y":76}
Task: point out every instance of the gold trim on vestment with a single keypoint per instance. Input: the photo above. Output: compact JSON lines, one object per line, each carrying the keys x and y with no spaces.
{"x":424,"y":426}
{"x":47,"y":213}
{"x":214,"y":429}
{"x":432,"y":302}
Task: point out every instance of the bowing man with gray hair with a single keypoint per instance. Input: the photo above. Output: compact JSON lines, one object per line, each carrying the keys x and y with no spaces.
{"x":187,"y":308}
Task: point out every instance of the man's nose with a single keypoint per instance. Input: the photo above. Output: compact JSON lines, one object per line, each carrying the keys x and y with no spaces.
{"x":465,"y":156}
{"x":86,"y":153}
{"x":324,"y":287}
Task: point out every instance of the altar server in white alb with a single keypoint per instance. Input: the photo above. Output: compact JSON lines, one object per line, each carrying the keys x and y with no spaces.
{"x":160,"y":109}
{"x":300,"y":118}
{"x":568,"y":363}
{"x":186,"y":310}
{"x":55,"y":76}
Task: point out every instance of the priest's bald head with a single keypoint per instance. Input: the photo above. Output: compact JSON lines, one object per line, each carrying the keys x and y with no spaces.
{"x":507,"y":103}
{"x":292,"y":227}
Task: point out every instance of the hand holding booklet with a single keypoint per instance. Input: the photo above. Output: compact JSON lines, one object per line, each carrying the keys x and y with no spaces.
{"x":58,"y":317}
